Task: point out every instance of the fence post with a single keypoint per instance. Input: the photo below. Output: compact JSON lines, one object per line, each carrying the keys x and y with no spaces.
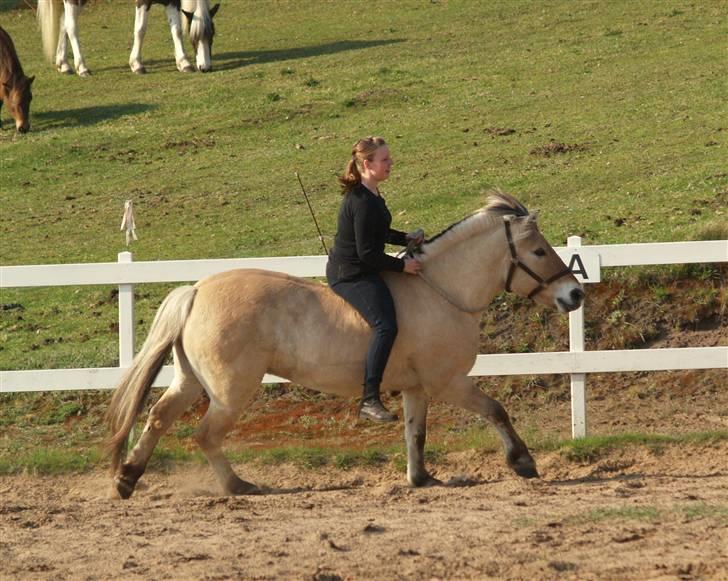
{"x":126,"y":317}
{"x":578,"y":380}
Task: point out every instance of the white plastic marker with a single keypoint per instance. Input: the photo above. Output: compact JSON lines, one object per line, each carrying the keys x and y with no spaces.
{"x":127,"y":222}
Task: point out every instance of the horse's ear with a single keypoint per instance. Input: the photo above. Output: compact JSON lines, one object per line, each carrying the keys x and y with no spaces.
{"x":31,"y":79}
{"x":214,"y":9}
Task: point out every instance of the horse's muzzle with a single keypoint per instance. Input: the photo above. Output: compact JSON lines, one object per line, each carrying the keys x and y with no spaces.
{"x":576,"y":297}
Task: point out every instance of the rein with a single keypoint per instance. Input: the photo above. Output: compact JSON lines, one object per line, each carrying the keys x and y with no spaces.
{"x":515,"y":264}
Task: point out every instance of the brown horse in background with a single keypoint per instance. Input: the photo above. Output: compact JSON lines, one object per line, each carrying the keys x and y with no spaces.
{"x":14,"y":85}
{"x":231,"y":328}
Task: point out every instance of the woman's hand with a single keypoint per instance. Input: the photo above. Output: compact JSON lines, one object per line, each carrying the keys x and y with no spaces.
{"x":418,"y":236}
{"x":412,"y":266}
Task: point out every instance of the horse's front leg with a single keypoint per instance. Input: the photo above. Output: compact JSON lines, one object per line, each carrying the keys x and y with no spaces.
{"x":71,"y":13}
{"x":415,"y":433}
{"x":175,"y":27}
{"x":461,"y":391}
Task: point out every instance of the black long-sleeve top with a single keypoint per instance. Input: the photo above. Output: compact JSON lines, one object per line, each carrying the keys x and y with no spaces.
{"x":363,"y":229}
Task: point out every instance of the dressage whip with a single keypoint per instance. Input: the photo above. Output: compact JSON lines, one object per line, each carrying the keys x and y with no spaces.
{"x":310,"y":209}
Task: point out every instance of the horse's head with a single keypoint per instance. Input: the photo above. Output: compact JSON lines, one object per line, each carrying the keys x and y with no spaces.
{"x":17,"y":100}
{"x":534,"y":270}
{"x":201,"y":29}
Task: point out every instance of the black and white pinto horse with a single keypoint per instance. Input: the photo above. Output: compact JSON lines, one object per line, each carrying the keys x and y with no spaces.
{"x":59,"y":25}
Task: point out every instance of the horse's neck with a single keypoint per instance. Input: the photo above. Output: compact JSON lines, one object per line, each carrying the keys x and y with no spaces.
{"x":11,"y":70}
{"x":469,"y":272}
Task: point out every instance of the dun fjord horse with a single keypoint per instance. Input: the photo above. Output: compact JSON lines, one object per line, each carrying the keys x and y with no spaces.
{"x":15,"y":90}
{"x":229,"y":329}
{"x":59,"y":22}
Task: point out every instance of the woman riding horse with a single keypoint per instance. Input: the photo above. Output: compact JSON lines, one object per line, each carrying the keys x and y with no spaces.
{"x":358,"y":257}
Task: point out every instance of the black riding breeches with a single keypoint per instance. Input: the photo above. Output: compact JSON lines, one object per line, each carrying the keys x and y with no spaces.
{"x":370,"y":296}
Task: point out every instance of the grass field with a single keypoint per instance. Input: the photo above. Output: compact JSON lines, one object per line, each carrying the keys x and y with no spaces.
{"x":610,"y":118}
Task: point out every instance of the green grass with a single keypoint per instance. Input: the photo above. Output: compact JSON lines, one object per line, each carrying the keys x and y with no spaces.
{"x":79,"y":453}
{"x":468,"y":94}
{"x":589,"y":449}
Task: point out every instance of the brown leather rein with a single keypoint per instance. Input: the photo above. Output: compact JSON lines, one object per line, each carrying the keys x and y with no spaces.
{"x":515,"y":264}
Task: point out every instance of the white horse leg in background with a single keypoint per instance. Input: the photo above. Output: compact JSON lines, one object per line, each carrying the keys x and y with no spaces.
{"x":140,"y":29}
{"x":59,"y":23}
{"x":175,"y":26}
{"x":61,"y":61}
{"x":70,"y":23}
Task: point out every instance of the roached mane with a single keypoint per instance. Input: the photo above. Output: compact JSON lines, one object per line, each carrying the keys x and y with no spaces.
{"x":499,"y":205}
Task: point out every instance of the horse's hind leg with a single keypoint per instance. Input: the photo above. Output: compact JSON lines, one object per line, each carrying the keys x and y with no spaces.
{"x":218,"y":421}
{"x":181,"y":394}
{"x":175,"y":27}
{"x":71,"y":13}
{"x":140,"y":28}
{"x":61,"y":60}
{"x":415,"y":432}
{"x":462,"y":392}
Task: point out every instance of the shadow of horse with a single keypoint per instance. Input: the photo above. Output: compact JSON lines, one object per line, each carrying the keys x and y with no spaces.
{"x":88,"y":115}
{"x":233,"y":60}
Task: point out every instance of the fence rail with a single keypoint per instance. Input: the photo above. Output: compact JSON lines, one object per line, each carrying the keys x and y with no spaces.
{"x":577,"y":362}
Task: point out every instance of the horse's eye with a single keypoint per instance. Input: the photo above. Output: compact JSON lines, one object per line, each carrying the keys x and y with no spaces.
{"x":539,"y":252}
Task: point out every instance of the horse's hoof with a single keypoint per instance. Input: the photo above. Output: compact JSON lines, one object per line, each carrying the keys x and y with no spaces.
{"x":425,"y":482}
{"x":239,"y":487}
{"x":187,"y":69}
{"x":85,"y":73}
{"x":122,"y":488}
{"x":139,"y":71}
{"x":525,"y":467}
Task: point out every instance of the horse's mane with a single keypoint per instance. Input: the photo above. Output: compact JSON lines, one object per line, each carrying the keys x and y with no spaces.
{"x":499,"y":205}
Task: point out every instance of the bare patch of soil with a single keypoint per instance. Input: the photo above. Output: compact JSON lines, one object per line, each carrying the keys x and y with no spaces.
{"x":556,"y":147}
{"x":635,"y":514}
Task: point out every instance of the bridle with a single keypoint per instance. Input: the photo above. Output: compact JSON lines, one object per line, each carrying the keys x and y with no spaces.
{"x":516,"y":263}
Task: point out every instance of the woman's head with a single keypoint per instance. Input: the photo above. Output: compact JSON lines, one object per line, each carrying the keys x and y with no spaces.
{"x":370,"y":160}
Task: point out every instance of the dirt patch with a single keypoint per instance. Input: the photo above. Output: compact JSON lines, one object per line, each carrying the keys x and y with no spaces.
{"x":555,"y":148}
{"x":635,"y":514}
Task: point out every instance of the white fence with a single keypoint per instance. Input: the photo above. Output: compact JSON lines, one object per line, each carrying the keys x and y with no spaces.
{"x":585,"y":261}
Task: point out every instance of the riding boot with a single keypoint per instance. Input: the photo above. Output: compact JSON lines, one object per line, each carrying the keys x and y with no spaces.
{"x":372,"y":407}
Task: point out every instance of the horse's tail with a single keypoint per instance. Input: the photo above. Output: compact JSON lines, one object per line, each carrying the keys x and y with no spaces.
{"x":131,"y":393}
{"x":49,"y":19}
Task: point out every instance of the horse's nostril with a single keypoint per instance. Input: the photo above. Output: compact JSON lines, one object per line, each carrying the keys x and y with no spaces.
{"x":577,"y":295}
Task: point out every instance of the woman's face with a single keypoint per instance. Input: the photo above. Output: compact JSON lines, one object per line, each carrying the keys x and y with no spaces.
{"x":380,"y":165}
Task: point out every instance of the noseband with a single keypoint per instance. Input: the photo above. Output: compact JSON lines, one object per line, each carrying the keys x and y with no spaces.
{"x":515,"y":263}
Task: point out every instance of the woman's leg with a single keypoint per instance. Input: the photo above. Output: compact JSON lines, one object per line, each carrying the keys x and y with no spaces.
{"x":372,"y":299}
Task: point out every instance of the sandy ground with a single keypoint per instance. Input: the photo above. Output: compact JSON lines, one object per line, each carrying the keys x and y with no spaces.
{"x":638,"y":513}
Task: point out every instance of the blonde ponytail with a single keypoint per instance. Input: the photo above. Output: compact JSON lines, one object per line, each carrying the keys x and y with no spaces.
{"x":364,"y":149}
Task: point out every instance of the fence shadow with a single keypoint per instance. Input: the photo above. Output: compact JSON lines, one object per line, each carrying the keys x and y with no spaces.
{"x":83,"y":116}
